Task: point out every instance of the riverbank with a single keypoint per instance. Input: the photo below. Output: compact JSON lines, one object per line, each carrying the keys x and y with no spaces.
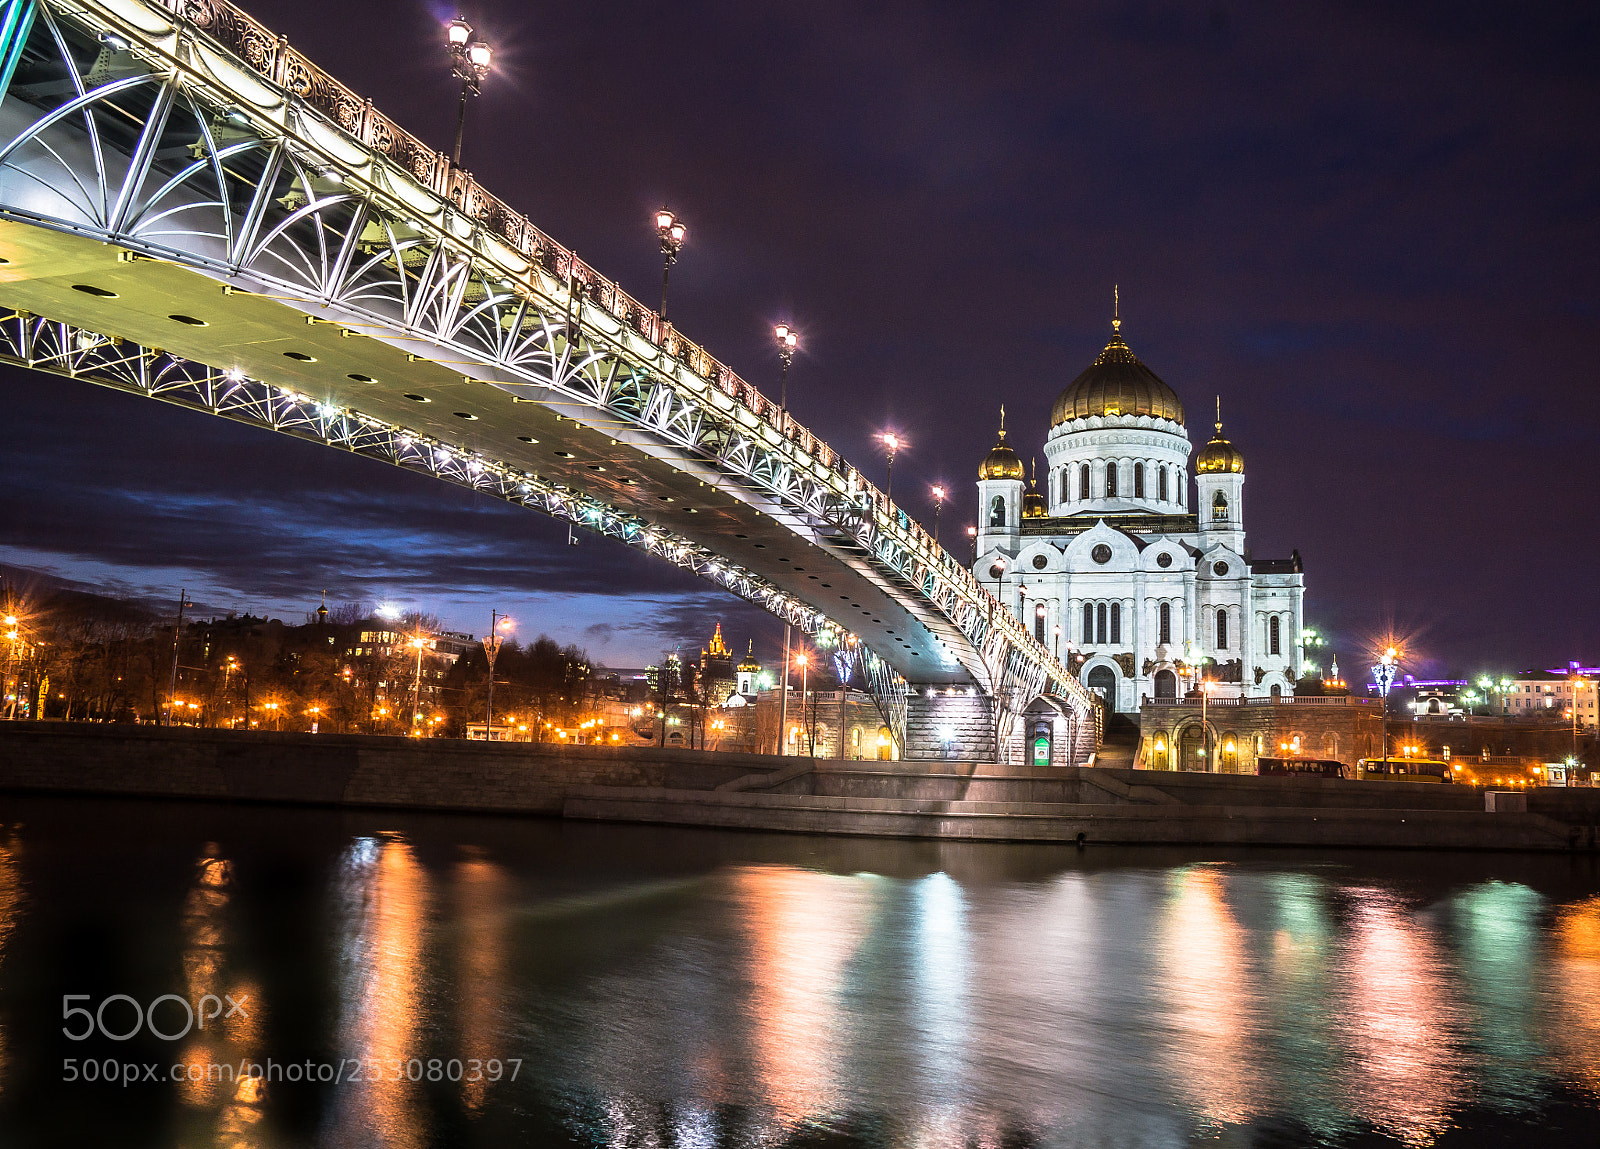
{"x":942,"y":800}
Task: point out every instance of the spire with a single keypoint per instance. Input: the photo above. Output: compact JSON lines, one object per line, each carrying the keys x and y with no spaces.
{"x":1116,"y":309}
{"x":1002,"y":420}
{"x":1219,"y":414}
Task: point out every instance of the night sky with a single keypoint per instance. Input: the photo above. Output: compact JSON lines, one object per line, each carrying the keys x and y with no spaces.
{"x":1370,"y":228}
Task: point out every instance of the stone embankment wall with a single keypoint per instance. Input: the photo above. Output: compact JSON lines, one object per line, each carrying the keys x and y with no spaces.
{"x":983,"y":801}
{"x":437,"y":774}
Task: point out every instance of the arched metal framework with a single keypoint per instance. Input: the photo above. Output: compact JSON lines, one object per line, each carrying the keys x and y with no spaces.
{"x":183,"y":130}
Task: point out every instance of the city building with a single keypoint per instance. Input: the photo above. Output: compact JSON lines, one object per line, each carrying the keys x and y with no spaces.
{"x":717,"y":680}
{"x":1140,"y":585}
{"x":1549,"y":694}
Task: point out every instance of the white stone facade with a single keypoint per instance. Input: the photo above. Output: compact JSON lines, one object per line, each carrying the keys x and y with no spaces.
{"x":1140,"y":582}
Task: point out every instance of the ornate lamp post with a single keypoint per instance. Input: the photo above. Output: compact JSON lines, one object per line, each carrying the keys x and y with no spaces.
{"x":788,"y":340}
{"x":891,"y":444}
{"x":805,"y":669}
{"x":1383,"y":674}
{"x":672,"y":231}
{"x":491,"y":647}
{"x":972,"y":533}
{"x":469,"y":58}
{"x":1205,"y":729}
{"x":939,"y":496}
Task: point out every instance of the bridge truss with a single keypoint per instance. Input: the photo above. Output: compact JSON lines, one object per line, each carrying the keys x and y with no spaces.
{"x":183,"y":131}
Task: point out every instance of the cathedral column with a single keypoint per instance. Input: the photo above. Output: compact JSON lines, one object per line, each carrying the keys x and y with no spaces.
{"x":1296,"y":649}
{"x":1247,"y":642}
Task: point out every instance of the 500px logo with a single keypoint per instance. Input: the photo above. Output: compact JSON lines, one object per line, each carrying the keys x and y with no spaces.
{"x":112,"y":1017}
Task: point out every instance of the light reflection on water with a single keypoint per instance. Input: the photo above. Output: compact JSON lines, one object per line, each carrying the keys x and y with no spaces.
{"x":682,"y":989}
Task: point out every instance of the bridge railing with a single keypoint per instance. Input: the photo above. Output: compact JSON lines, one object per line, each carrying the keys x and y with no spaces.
{"x":272,"y":57}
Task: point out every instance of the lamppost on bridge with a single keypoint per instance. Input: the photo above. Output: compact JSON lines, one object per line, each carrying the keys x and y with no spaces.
{"x":805,"y":664}
{"x":469,"y":58}
{"x":788,"y":340}
{"x":672,"y":232}
{"x":972,"y":533}
{"x":939,"y":496}
{"x":1205,"y":729}
{"x":891,"y":443}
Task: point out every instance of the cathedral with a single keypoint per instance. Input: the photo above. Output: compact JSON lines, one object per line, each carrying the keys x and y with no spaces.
{"x":1141,"y":584}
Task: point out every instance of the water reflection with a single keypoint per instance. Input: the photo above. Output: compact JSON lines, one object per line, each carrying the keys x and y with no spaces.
{"x":382,"y":907}
{"x":704,"y":990}
{"x":1211,"y":994}
{"x":1572,"y":984}
{"x":11,"y":903}
{"x":1399,"y":1020}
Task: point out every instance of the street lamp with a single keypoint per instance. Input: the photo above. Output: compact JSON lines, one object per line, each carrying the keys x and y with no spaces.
{"x":1205,"y":730}
{"x":491,"y":647}
{"x":672,"y":231}
{"x":972,"y":533}
{"x":788,"y":339}
{"x":805,"y":664}
{"x":891,"y":444}
{"x":939,"y":496}
{"x":1383,"y":674}
{"x":469,"y":58}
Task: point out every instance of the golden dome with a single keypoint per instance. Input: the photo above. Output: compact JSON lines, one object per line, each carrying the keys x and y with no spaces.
{"x":1219,"y":456}
{"x":749,"y":662}
{"x":1116,"y":383}
{"x":1033,"y":505}
{"x":1001,"y":462}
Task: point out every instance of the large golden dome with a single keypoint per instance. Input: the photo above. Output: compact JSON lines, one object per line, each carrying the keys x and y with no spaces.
{"x":1001,"y":462}
{"x":1116,"y":383}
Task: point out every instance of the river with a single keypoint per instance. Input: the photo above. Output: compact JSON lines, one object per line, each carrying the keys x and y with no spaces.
{"x":273,"y":977}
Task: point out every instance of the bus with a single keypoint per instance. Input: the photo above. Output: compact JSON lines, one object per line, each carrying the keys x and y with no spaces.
{"x":1301,"y":768}
{"x":1404,"y":770}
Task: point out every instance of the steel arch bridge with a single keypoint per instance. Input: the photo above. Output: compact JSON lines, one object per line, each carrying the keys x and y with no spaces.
{"x":192,"y":211}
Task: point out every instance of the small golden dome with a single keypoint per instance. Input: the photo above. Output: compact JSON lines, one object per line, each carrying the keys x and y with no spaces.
{"x":1033,"y":505}
{"x":749,"y":662}
{"x":1001,"y":462}
{"x":1219,"y":456}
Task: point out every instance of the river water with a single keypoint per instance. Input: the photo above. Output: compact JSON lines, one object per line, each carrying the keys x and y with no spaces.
{"x":507,"y":982}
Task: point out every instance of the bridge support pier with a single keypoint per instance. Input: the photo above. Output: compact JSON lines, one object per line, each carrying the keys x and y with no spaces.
{"x":950,"y":723}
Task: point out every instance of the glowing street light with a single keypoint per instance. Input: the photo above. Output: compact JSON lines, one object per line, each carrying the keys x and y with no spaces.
{"x":939,"y":496}
{"x":672,"y":232}
{"x":805,"y":664}
{"x":788,"y":339}
{"x":470,"y":59}
{"x":891,"y":443}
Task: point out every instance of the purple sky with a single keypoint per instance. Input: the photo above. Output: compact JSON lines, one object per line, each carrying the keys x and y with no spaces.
{"x":1370,"y":228}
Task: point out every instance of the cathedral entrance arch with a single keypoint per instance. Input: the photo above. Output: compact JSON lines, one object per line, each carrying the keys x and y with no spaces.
{"x":1166,"y":686}
{"x":1103,"y":679}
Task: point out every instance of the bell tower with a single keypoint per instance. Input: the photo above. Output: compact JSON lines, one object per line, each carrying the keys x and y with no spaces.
{"x":1219,"y":487}
{"x":1000,"y":496}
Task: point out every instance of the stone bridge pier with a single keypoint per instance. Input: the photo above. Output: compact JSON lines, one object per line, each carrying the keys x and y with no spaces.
{"x":960,"y":725}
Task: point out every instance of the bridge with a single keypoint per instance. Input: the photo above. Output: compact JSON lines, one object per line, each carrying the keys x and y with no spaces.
{"x":190,"y":210}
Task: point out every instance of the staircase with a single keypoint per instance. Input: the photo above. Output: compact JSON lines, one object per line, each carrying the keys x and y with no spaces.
{"x":1120,"y":745}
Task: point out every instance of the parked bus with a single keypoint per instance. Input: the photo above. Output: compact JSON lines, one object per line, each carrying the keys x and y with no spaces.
{"x":1301,"y":768}
{"x":1404,"y":770}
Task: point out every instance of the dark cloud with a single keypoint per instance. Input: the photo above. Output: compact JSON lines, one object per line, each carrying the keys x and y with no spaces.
{"x":1371,"y":230}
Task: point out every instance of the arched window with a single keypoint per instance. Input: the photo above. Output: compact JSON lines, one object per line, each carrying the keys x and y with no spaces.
{"x":1277,"y":691}
{"x":1222,"y":629}
{"x":1219,"y":506}
{"x":1272,"y":635}
{"x":1138,"y":480}
{"x":1111,"y":480}
{"x":1088,"y":624}
{"x":1164,"y":626}
{"x":1066,"y":484}
{"x":1100,"y":623}
{"x":1116,"y":624}
{"x":1161,"y":479}
{"x":1083,"y":482}
{"x":1038,"y":622}
{"x":997,"y":511}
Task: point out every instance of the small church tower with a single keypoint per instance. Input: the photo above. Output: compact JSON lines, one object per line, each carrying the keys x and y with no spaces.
{"x":1000,"y":496}
{"x":1219,"y":487}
